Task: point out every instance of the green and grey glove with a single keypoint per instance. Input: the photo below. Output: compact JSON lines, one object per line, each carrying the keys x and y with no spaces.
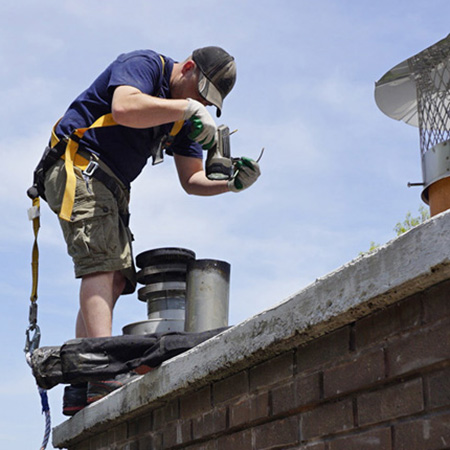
{"x":204,"y":129}
{"x":247,"y":172}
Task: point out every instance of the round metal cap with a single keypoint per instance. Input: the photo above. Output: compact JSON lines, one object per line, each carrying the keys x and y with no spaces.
{"x":164,"y":255}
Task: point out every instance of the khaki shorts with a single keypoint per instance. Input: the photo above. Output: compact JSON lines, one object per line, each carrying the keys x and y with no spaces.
{"x":96,"y":237}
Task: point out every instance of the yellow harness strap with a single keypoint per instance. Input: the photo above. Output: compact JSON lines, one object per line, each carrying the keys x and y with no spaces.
{"x":73,"y":159}
{"x":32,"y":342}
{"x":177,"y":126}
{"x":34,"y":215}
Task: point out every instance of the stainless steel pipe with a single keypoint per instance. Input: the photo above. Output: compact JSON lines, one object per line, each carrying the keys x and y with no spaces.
{"x":207,"y":294}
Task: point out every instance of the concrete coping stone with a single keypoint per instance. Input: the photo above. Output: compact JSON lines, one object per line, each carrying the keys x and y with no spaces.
{"x":416,"y":260}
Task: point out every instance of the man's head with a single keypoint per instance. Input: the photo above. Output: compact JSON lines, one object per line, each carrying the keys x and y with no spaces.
{"x":217,"y":74}
{"x":207,"y":76}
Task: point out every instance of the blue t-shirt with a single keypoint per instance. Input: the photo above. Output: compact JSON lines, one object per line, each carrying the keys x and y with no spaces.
{"x":126,"y":150}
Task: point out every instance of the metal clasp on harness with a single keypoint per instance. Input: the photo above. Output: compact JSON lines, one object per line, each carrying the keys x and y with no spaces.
{"x":32,"y":343}
{"x":90,"y":169}
{"x":89,"y":172}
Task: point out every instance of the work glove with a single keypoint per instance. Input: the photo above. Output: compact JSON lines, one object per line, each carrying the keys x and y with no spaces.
{"x":246,"y":173}
{"x":204,"y":129}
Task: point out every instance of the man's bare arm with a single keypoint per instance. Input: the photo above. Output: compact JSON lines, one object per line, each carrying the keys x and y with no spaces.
{"x":193,"y":179}
{"x":132,"y":108}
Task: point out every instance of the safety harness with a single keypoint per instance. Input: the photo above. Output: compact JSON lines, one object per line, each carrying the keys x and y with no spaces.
{"x":73,"y":159}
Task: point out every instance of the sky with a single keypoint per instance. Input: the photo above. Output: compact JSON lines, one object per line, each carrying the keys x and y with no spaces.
{"x":334,"y":171}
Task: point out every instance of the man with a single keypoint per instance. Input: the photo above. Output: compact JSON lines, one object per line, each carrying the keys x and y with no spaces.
{"x":101,"y":145}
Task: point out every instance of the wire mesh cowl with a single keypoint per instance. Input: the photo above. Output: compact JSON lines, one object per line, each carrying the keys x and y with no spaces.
{"x":431,"y":71}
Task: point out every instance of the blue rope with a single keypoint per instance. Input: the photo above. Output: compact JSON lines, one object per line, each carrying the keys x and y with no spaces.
{"x":46,"y":411}
{"x":44,"y":400}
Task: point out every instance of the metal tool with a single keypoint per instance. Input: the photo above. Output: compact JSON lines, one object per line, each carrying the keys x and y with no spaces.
{"x":219,"y":163}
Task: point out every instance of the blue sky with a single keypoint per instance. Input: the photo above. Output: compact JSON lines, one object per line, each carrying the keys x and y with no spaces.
{"x":334,"y":173}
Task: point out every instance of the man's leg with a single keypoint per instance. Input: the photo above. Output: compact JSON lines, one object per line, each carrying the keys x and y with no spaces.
{"x":98,"y":295}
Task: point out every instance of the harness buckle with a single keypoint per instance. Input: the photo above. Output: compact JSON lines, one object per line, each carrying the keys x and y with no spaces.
{"x":88,"y":173}
{"x":90,"y":169}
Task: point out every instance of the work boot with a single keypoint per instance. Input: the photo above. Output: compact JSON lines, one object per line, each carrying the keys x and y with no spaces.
{"x":75,"y":398}
{"x":99,"y":389}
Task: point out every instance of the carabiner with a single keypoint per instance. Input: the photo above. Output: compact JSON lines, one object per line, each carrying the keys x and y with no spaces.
{"x":32,"y":343}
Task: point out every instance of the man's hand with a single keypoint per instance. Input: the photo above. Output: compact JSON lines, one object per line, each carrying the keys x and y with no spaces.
{"x":204,"y":129}
{"x":247,"y":172}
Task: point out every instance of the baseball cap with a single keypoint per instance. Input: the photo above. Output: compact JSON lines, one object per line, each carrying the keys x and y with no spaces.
{"x":217,"y":74}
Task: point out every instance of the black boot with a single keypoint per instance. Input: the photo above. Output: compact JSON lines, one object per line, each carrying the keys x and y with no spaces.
{"x":75,"y":398}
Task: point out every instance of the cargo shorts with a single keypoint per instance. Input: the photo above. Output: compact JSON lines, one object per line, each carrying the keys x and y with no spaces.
{"x":97,"y":238}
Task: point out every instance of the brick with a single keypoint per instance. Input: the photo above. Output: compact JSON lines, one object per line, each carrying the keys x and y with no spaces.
{"x":240,"y":413}
{"x":259,"y":406}
{"x":133,"y":429}
{"x":100,"y":441}
{"x":307,"y":389}
{"x":210,"y":423}
{"x":324,"y":350}
{"x":373,"y":439}
{"x":151,"y":442}
{"x":426,"y":433}
{"x":230,"y":388}
{"x":389,"y":322}
{"x":170,"y":436}
{"x":185,"y":429}
{"x":389,"y":403}
{"x":140,"y":425}
{"x":277,"y":434}
{"x":272,"y":371}
{"x":290,"y":396}
{"x":236,"y":441}
{"x":419,"y":350}
{"x":283,"y":398}
{"x":436,"y":304}
{"x":327,"y":419}
{"x":196,"y":403}
{"x":249,"y":410}
{"x":361,"y":371}
{"x":166,"y":413}
{"x":438,"y":388}
{"x":118,"y":433}
{"x":176,"y":433}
